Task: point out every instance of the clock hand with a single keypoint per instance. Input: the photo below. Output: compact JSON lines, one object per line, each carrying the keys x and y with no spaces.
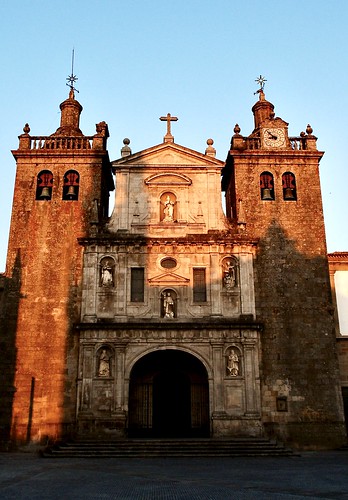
{"x":271,"y":135}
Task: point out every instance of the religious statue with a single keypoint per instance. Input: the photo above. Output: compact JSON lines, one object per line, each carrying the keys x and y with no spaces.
{"x":168,"y":305}
{"x":233,"y":364}
{"x":107,"y":274}
{"x":168,"y":210}
{"x":104,"y":364}
{"x":229,"y":277}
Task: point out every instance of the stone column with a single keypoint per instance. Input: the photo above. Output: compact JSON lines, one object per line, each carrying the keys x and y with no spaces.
{"x":252,"y":389}
{"x":85,"y":379}
{"x":215,"y":286}
{"x":212,"y":195}
{"x":218,"y":367}
{"x":121,"y":281}
{"x":89,"y":287}
{"x":247,"y":283}
{"x":122,"y":201}
{"x":119,"y":414}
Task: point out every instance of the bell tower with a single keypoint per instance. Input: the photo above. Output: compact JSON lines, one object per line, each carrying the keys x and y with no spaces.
{"x":61,"y":194}
{"x":273,"y":194}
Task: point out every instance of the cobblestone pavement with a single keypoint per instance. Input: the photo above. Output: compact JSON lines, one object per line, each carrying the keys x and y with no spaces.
{"x":321,"y":475}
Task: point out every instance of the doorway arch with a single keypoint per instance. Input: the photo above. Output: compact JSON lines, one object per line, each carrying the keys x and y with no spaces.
{"x":168,"y":396}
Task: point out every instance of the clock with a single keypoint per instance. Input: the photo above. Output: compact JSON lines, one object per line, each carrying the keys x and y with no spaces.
{"x":273,"y":137}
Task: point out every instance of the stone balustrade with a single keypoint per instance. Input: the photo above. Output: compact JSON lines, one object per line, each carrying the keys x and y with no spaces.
{"x":306,"y":142}
{"x":59,"y":142}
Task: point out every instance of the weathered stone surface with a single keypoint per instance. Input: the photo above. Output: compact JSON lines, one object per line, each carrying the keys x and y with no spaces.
{"x":245,"y":343}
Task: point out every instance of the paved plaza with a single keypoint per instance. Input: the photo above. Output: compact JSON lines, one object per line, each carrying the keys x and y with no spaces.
{"x":312,"y":475}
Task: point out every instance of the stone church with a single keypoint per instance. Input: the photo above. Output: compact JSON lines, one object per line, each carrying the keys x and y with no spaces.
{"x":169,"y":318}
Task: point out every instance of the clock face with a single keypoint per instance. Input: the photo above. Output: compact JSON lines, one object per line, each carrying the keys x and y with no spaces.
{"x":274,"y":137}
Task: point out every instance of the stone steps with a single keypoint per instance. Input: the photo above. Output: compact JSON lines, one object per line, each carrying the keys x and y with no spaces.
{"x":151,"y":448}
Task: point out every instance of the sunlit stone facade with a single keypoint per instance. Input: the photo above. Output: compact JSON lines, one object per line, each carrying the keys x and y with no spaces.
{"x":170,"y":318}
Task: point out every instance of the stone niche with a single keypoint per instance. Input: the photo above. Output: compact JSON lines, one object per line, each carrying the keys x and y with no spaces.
{"x":106,"y":288}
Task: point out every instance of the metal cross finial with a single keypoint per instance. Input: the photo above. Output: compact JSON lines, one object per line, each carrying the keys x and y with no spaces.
{"x":261,"y":80}
{"x":72,"y":78}
{"x":169,"y":118}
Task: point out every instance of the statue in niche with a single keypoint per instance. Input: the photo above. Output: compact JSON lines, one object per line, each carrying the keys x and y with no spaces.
{"x":168,"y":305}
{"x":233,"y":363}
{"x":229,"y":274}
{"x":106,"y":276}
{"x":168,"y":210}
{"x":104,"y":364}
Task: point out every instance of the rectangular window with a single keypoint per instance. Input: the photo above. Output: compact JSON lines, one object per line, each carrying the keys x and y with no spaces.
{"x":199,"y":285}
{"x":137,"y":284}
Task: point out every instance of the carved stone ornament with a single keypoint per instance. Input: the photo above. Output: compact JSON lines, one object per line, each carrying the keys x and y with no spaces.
{"x":233,"y":363}
{"x":168,"y":210}
{"x":107,"y":272}
{"x":104,"y":364}
{"x":229,"y":270}
{"x":168,"y":304}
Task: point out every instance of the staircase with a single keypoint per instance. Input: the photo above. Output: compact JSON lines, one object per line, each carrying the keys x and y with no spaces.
{"x":153,"y":448}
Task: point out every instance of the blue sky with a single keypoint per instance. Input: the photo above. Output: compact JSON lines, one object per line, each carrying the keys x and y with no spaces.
{"x":198,"y":60}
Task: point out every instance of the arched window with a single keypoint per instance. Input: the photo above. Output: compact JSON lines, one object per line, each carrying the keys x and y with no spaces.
{"x":266,"y":186}
{"x":71,"y":185}
{"x":289,"y":186}
{"x":44,"y":185}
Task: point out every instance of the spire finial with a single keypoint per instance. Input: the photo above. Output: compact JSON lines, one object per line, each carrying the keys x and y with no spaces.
{"x":72,"y":78}
{"x":261,"y":80}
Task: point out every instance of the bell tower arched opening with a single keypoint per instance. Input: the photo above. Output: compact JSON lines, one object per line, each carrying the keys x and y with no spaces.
{"x":169,"y":396}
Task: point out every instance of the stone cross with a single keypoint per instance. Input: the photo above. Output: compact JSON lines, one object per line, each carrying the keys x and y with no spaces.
{"x":169,"y":118}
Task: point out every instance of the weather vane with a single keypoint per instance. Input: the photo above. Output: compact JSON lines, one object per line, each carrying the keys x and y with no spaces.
{"x":261,"y":80}
{"x":72,"y":78}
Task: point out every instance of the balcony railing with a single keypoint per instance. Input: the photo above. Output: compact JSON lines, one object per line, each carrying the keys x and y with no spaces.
{"x":60,"y":142}
{"x":307,"y":142}
{"x":298,"y":143}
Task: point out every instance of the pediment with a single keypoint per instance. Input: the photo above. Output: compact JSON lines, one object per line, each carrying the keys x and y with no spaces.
{"x":167,"y":154}
{"x":165,"y":179}
{"x":168,"y":279}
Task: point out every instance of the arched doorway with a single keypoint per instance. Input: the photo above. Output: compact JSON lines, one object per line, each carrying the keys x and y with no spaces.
{"x":168,"y":396}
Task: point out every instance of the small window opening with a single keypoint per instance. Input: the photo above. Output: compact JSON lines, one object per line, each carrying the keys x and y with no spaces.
{"x":267,"y":186}
{"x":71,"y":185}
{"x":137,"y":284}
{"x":289,"y":186}
{"x":44,"y":185}
{"x":168,"y":263}
{"x":199,"y":285}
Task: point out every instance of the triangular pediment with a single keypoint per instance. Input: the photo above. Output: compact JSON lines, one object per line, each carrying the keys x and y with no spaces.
{"x":167,"y":154}
{"x":168,"y":279}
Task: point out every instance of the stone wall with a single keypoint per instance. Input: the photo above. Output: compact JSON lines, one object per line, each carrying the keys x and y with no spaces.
{"x":45,"y":256}
{"x":299,"y":370}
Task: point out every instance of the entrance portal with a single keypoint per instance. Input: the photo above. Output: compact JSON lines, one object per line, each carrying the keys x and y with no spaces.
{"x":168,"y":396}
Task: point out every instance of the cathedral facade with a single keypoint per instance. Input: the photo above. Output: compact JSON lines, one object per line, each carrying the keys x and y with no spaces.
{"x":170,"y":318}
